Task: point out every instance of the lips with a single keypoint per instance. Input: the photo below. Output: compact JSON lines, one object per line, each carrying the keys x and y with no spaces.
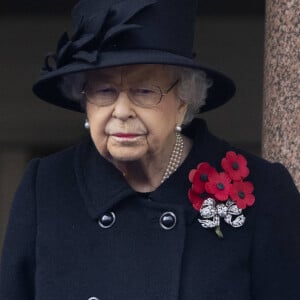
{"x":126,"y":135}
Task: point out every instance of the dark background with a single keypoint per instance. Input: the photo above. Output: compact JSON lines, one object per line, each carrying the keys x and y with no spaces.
{"x":216,"y":7}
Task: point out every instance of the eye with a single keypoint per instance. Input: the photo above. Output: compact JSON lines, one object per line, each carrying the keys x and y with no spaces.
{"x":105,"y":91}
{"x":143,"y":91}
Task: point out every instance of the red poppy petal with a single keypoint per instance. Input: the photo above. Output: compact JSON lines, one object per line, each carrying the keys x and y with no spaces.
{"x":241,"y":204}
{"x":233,"y":194}
{"x":245,"y":172}
{"x":213,"y":177}
{"x":195,"y":199}
{"x":213,"y":172}
{"x":210,"y":187}
{"x":192,"y":175}
{"x":236,"y":176}
{"x":224,"y":163}
{"x":198,"y":188}
{"x":221,"y":196}
{"x":224,"y":177}
{"x":250,"y":199}
{"x":248,"y":187}
{"x":199,"y":165}
{"x":197,"y":206}
{"x":192,"y":195}
{"x":205,"y":168}
{"x":242,"y":160}
{"x":231,"y":155}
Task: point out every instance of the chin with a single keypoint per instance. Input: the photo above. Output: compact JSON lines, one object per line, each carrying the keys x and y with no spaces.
{"x":129,"y":155}
{"x":127,"y":150}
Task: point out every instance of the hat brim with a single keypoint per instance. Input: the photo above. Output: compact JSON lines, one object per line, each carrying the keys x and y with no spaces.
{"x":48,"y":86}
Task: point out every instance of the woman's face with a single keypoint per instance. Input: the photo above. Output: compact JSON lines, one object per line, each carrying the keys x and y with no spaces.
{"x":124,"y":131}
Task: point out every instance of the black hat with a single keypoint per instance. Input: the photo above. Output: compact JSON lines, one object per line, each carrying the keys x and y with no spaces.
{"x":111,"y":33}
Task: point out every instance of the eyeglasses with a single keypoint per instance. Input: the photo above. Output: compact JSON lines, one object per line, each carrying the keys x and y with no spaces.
{"x":141,"y":95}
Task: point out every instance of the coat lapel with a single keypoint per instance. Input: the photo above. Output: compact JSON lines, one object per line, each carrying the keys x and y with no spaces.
{"x":100,"y":183}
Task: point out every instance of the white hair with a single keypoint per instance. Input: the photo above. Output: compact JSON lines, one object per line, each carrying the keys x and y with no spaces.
{"x":192,"y":88}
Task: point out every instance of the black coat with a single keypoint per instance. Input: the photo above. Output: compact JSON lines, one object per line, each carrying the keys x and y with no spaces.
{"x":55,"y":248}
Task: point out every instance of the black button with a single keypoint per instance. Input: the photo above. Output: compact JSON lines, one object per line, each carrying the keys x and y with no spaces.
{"x":107,"y":220}
{"x":168,"y":220}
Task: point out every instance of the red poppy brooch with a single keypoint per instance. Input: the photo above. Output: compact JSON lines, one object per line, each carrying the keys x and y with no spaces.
{"x":221,"y":195}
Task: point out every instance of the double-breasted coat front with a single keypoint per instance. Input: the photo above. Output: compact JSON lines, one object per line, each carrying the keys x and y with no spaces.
{"x":78,"y":231}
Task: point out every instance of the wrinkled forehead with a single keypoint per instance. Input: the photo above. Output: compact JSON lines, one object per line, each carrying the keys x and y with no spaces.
{"x":133,"y":73}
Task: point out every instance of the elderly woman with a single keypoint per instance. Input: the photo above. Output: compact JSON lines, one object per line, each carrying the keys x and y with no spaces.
{"x":151,"y":205}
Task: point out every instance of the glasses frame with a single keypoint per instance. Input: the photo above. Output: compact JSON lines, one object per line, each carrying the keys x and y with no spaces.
{"x":162,"y":94}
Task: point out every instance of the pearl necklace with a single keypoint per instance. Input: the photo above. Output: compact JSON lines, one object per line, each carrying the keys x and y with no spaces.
{"x":175,"y":158}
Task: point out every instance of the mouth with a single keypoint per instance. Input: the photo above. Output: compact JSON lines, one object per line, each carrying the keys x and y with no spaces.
{"x":126,"y":135}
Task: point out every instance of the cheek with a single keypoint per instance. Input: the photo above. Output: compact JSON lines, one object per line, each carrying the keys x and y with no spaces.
{"x":98,"y":122}
{"x":100,"y":140}
{"x":161,"y":128}
{"x":164,"y":120}
{"x":99,"y":137}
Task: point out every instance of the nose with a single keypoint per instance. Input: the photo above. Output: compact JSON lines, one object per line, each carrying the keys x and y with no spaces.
{"x":123,"y":107}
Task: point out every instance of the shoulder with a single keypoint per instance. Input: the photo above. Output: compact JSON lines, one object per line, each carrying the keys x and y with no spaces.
{"x":269,"y":178}
{"x":271,"y":181}
{"x":261,"y":170}
{"x":61,"y":158}
{"x":54,"y":167}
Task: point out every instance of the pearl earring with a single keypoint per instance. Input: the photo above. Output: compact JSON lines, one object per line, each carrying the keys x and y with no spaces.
{"x":178,"y":128}
{"x":87,"y":124}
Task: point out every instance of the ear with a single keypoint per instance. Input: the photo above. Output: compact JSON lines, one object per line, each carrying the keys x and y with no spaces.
{"x":182,"y":109}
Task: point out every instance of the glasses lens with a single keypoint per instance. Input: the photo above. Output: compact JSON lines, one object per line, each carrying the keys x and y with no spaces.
{"x":145,"y":96}
{"x":102,"y":95}
{"x":107,"y":94}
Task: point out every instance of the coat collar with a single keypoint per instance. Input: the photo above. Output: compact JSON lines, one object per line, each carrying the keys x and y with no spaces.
{"x":102,"y":185}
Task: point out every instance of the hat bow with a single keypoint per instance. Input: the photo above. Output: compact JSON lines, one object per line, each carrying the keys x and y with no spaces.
{"x":93,"y":33}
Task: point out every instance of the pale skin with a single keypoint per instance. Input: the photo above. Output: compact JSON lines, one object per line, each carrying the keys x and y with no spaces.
{"x":137,"y":140}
